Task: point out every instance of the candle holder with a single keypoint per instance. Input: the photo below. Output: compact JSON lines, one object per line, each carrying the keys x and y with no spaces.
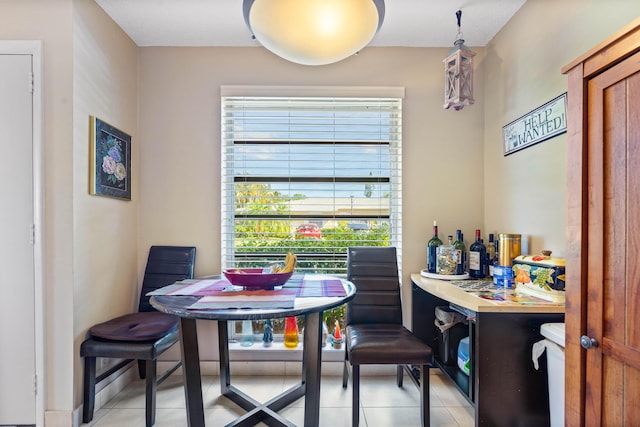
{"x":336,"y":338}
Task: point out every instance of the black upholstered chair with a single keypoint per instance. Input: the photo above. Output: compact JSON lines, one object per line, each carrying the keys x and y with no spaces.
{"x":140,"y":336}
{"x":374,"y":331}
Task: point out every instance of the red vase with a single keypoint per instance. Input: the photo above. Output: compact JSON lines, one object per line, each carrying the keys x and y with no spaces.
{"x":290,"y":332}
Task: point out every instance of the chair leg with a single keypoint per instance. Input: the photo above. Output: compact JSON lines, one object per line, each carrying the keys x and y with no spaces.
{"x":425,"y":412}
{"x":151,"y":392}
{"x":355,"y":405}
{"x":345,"y":372}
{"x":89,"y":389}
{"x":142,"y":369}
{"x":399,"y":375}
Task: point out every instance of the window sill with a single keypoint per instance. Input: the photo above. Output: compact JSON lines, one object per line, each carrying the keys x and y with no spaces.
{"x":278,"y":352}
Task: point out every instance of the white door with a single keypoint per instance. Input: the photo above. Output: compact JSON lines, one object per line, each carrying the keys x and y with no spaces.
{"x":17,"y":281}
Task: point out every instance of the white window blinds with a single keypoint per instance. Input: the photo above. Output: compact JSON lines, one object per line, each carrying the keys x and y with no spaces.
{"x":309,"y":174}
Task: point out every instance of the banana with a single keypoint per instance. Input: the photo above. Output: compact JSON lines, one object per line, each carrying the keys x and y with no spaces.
{"x":290,"y":262}
{"x":287,"y":263}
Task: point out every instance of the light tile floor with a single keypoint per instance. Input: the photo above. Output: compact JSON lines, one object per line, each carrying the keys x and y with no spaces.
{"x":382,"y":403}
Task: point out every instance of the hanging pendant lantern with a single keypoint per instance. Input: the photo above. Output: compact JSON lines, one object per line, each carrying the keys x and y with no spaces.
{"x":458,"y":73}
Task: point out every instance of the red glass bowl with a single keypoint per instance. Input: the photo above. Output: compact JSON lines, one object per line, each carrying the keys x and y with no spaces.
{"x":255,"y":278}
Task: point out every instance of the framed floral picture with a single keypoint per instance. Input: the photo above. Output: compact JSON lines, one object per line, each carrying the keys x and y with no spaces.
{"x":110,"y":161}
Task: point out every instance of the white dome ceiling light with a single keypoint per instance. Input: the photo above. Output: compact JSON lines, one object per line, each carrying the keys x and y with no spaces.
{"x":314,"y":32}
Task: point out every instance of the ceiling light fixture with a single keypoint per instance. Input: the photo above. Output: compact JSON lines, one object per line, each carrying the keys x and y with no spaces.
{"x":314,"y":32}
{"x":458,"y":73}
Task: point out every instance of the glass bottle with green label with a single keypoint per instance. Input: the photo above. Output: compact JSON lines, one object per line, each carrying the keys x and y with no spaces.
{"x":462,"y":253}
{"x":432,"y":250}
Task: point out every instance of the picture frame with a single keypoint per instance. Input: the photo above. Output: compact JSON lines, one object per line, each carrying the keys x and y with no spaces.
{"x":543,"y":123}
{"x":109,"y":160}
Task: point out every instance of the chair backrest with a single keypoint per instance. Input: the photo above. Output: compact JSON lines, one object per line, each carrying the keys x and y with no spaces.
{"x":165,"y":265}
{"x":374,"y":272}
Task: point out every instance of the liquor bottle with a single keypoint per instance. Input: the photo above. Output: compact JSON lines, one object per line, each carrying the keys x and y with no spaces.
{"x":432,"y":250}
{"x":477,"y":258}
{"x":462,"y":253}
{"x":491,"y":254}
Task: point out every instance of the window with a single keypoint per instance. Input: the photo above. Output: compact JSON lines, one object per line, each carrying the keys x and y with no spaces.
{"x":311,"y":175}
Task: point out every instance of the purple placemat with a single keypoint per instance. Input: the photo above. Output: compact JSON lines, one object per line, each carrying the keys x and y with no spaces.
{"x":311,"y":285}
{"x":202,"y":287}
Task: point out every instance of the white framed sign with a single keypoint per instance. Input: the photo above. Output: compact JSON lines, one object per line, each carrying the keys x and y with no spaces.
{"x":543,"y":123}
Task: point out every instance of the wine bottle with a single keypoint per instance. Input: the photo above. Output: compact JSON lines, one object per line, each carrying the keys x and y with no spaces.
{"x":432,"y":250}
{"x":462,"y":253}
{"x":477,"y":258}
{"x":491,"y":254}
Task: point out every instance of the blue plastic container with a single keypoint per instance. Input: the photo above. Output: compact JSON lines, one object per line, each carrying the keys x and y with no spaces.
{"x":464,"y":361}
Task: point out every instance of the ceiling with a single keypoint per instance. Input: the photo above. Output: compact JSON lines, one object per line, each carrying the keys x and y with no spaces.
{"x":417,"y":23}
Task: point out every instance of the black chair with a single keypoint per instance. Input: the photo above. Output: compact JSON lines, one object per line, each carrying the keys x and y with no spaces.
{"x":140,"y":336}
{"x":374,"y":331}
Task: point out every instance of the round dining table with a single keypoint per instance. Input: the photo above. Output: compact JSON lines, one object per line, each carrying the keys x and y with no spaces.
{"x":311,"y":308}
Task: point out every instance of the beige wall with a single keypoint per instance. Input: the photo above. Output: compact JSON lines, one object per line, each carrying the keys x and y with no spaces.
{"x":105,"y":230}
{"x":180,"y":140}
{"x":525,"y":192}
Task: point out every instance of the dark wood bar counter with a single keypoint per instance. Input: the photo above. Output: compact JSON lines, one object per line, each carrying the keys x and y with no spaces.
{"x":503,"y":385}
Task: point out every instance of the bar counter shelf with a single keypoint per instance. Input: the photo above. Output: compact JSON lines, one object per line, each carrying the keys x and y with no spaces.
{"x":503,"y":325}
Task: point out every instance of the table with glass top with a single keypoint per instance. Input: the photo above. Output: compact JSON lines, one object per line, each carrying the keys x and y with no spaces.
{"x":309,"y":387}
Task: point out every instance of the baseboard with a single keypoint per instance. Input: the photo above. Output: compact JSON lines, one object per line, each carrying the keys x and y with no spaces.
{"x":57,"y":418}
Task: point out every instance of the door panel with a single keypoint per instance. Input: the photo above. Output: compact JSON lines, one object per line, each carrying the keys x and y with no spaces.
{"x":613,"y":283}
{"x":17,"y":286}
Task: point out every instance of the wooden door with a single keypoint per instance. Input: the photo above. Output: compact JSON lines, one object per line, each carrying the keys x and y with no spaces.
{"x":613,"y":248}
{"x":603,"y":234}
